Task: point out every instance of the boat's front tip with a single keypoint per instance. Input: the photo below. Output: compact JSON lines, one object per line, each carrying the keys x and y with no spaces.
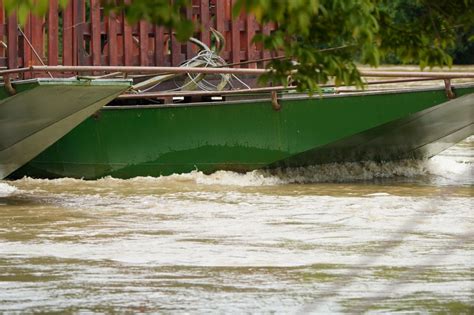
{"x":43,"y":110}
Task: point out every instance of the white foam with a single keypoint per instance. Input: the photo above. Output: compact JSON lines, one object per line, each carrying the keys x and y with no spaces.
{"x":455,"y":165}
{"x":253,"y":178}
{"x":335,"y":172}
{"x":7,"y":190}
{"x":356,"y":171}
{"x":380,"y":194}
{"x":448,"y":171}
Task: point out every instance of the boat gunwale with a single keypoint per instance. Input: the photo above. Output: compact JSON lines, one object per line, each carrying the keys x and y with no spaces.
{"x":288,"y":97}
{"x":68,"y":81}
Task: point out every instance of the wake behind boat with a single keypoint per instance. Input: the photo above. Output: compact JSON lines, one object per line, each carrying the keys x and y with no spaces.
{"x":35,"y":113}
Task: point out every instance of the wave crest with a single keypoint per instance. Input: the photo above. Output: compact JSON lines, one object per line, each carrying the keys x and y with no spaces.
{"x":7,"y":190}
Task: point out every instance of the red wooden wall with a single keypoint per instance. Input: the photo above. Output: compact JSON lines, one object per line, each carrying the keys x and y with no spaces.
{"x":91,"y":38}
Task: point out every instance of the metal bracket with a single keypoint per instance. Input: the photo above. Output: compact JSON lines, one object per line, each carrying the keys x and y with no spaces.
{"x":97,"y":115}
{"x":8,"y":85}
{"x":449,"y":89}
{"x":275,"y":104}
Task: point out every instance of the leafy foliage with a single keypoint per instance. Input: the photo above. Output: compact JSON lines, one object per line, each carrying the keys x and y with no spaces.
{"x":24,"y":7}
{"x":424,"y":31}
{"x":307,"y":28}
{"x":161,"y":12}
{"x":416,"y":31}
{"x":446,"y":25}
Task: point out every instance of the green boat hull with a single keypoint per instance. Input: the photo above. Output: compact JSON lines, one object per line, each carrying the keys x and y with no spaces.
{"x":132,"y":141}
{"x":43,"y":110}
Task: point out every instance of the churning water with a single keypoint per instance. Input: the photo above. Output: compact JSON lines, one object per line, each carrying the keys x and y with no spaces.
{"x":346,"y":238}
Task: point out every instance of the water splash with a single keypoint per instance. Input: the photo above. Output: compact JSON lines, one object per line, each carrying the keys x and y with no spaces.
{"x":454,"y":166}
{"x":334,"y":172}
{"x":7,"y":190}
{"x":349,"y":172}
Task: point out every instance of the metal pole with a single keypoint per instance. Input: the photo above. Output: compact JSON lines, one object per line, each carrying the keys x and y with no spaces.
{"x":138,"y":69}
{"x":183,"y":70}
{"x":33,"y":49}
{"x":165,"y":94}
{"x":418,"y":74}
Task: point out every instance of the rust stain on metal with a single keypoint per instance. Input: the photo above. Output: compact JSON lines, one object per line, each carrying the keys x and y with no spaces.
{"x":275,"y":104}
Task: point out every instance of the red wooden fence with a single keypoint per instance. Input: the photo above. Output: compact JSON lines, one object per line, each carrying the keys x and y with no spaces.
{"x":82,"y":35}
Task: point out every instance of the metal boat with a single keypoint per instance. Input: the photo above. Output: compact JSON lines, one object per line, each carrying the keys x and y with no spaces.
{"x":248,"y":133}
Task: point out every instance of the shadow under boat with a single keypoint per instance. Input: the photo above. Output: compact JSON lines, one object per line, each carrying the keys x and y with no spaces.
{"x":36,"y":113}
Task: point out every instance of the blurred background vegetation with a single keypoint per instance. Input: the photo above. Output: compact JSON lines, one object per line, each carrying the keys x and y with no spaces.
{"x":410,"y":10}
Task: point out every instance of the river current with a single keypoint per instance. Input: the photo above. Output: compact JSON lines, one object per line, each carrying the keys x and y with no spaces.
{"x":347,"y":238}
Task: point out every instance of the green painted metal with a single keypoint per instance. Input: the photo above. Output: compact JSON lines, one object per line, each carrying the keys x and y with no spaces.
{"x":133,"y":141}
{"x":44,"y":110}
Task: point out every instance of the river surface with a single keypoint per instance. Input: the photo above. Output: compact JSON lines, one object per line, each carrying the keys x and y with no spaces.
{"x":345,"y":238}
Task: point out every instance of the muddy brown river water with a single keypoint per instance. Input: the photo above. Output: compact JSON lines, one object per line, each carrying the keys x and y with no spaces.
{"x":350,"y":238}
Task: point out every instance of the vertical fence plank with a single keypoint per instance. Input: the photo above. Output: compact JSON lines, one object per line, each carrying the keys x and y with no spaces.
{"x":2,"y":33}
{"x":175,"y":50}
{"x":189,"y":45}
{"x":112,"y":40}
{"x":249,"y":34}
{"x":159,"y":46}
{"x":143,"y":40}
{"x":227,"y":29}
{"x":75,"y":23}
{"x":68,"y":46}
{"x":127,"y":43}
{"x":205,"y":22}
{"x":25,"y":51}
{"x":175,"y":47}
{"x":37,"y":39}
{"x":25,"y":48}
{"x":79,"y":21}
{"x":235,"y":38}
{"x":53,"y":34}
{"x":127,"y":40}
{"x":266,"y":53}
{"x":12,"y":38}
{"x":96,"y":32}
{"x":220,"y":22}
{"x":220,"y":16}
